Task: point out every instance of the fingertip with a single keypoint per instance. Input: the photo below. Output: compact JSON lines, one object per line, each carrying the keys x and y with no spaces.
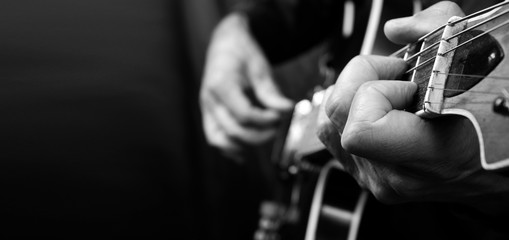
{"x":395,"y":28}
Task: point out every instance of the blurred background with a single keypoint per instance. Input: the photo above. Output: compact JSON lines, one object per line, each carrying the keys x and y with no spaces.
{"x":101,"y":131}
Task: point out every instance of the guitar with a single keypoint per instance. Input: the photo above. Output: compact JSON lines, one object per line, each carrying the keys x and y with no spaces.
{"x":459,"y":68}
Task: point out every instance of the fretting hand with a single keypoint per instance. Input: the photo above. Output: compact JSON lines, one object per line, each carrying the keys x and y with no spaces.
{"x":397,"y":155}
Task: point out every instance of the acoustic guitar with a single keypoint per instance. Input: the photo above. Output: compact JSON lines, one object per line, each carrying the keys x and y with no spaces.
{"x":460,"y":69}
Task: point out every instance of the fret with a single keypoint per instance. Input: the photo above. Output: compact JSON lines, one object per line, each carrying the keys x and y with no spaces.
{"x":433,"y":101}
{"x":421,"y":66}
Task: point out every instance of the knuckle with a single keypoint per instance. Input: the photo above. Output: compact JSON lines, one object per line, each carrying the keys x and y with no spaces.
{"x":334,"y":107}
{"x":369,"y":87}
{"x":337,"y":111}
{"x":330,"y":107}
{"x":361,"y":60}
{"x":352,"y":139}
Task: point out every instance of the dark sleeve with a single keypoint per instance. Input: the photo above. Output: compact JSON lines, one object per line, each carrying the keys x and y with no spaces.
{"x":286,"y":28}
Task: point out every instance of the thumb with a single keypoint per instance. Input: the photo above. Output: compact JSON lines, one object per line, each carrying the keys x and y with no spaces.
{"x":410,"y":29}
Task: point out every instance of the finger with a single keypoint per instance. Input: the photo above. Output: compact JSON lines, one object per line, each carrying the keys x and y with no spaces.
{"x":371,"y":68}
{"x":375,"y":99}
{"x":223,"y":85}
{"x":375,"y":125}
{"x":264,"y":85}
{"x":330,"y":137}
{"x":233,"y":130}
{"x":216,"y":137}
{"x":326,"y":130}
{"x":322,"y":116}
{"x":369,"y":175}
{"x":243,"y":110}
{"x":410,"y":29}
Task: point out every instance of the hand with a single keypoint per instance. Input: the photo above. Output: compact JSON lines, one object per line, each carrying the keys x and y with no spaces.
{"x":397,"y":155}
{"x":236,"y":69}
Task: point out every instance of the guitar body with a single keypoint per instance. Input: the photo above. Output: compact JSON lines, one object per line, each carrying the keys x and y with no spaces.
{"x":478,"y":103}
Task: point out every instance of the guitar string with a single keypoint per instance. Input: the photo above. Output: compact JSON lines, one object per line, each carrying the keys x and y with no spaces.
{"x":461,"y":45}
{"x":478,"y":13}
{"x":470,"y":76}
{"x":476,"y":37}
{"x":423,"y":38}
{"x":462,"y":91}
{"x":429,"y":60}
{"x":427,"y":49}
{"x":470,"y":91}
{"x":490,"y":102}
{"x":473,"y":76}
{"x":477,"y":25}
{"x":430,"y":47}
{"x":469,"y":102}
